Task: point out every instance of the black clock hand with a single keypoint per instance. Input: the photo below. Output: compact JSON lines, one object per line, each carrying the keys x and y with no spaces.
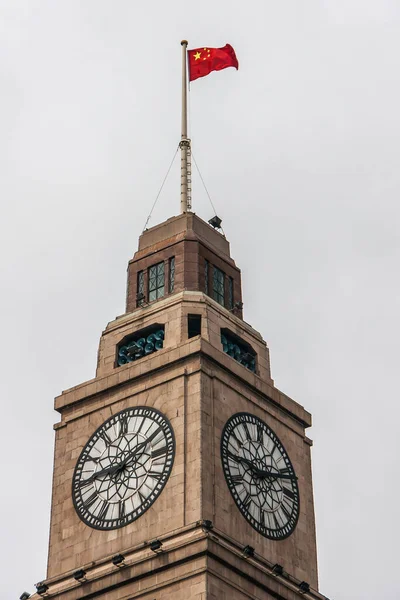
{"x":260,"y":472}
{"x":112,"y":470}
{"x":140,"y":447}
{"x":275,"y":475}
{"x":108,"y":471}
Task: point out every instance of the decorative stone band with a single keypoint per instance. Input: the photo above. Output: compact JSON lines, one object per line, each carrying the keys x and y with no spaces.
{"x":194,"y":549}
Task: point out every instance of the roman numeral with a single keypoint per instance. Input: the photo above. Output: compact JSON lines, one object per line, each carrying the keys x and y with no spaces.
{"x":91,"y":500}
{"x":233,"y":456}
{"x":160,"y":452}
{"x":103,"y":510}
{"x":85,"y":482}
{"x":236,"y":479}
{"x":154,"y":434}
{"x":288,"y":493}
{"x":246,"y":501}
{"x":123,"y":423}
{"x":285,"y":511}
{"x":155,"y":475}
{"x":264,"y":518}
{"x":121,"y":509}
{"x":259,"y":434}
{"x":247,"y":432}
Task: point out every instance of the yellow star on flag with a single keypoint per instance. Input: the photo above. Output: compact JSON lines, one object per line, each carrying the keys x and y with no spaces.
{"x":197,"y":55}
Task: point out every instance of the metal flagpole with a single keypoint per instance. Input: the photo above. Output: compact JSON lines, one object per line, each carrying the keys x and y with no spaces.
{"x":186,"y":169}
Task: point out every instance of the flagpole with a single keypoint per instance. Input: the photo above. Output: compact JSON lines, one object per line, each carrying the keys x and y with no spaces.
{"x":184,"y":145}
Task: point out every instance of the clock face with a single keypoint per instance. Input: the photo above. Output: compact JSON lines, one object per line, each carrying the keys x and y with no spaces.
{"x":260,"y":476}
{"x":123,"y":468}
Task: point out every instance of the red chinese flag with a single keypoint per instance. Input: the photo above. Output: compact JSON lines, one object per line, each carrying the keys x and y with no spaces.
{"x":204,"y":60}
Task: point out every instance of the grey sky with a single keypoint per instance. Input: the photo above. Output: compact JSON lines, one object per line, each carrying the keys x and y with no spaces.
{"x":299,"y":150}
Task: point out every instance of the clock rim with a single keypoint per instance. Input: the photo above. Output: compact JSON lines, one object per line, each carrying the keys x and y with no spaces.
{"x":270,"y":537}
{"x":99,"y":527}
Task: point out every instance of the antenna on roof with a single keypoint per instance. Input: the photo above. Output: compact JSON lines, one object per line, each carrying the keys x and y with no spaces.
{"x":184,"y":145}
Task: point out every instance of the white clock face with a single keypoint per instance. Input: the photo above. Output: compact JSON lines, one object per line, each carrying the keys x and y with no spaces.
{"x":123,"y":468}
{"x":260,"y":476}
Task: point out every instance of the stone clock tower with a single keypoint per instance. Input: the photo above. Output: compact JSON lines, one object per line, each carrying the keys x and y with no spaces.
{"x":181,"y":471}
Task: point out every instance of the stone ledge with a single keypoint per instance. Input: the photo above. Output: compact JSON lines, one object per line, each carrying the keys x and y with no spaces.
{"x":186,"y":553}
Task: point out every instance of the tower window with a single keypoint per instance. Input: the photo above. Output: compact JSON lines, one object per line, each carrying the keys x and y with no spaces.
{"x":171,"y":283}
{"x":156,"y":281}
{"x":140,"y":344}
{"x":140,"y":288}
{"x":230,"y":293}
{"x":238,"y":349}
{"x":194,"y":325}
{"x":219,"y":286}
{"x":206,"y":275}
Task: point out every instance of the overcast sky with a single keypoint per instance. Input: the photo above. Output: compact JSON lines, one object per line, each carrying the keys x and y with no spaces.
{"x":299,"y":150}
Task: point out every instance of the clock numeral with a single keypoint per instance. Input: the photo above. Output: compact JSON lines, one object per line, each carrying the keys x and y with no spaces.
{"x":103,"y":510}
{"x":264,"y":519}
{"x":160,"y":452}
{"x":247,"y":432}
{"x":259,"y":434}
{"x":154,"y":434}
{"x":141,"y":497}
{"x":234,"y":457}
{"x":155,"y":475}
{"x":236,"y":479}
{"x":123,"y":425}
{"x":285,"y":511}
{"x":288,"y":492}
{"x":121,"y":509}
{"x":91,"y":500}
{"x":277,"y":525}
{"x":85,"y":482}
{"x":246,"y":501}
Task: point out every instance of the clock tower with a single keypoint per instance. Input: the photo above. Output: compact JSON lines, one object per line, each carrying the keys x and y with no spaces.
{"x":181,"y":471}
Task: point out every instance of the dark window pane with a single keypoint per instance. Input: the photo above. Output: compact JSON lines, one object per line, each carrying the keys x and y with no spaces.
{"x":219,"y":286}
{"x":194,"y":325}
{"x":156,"y":281}
{"x":206,"y":275}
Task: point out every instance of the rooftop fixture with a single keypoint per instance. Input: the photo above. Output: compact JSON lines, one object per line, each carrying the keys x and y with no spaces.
{"x":156,"y":546}
{"x":215,"y":222}
{"x":248,"y":552}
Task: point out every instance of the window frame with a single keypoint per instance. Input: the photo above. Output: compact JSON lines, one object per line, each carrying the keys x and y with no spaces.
{"x":159,"y":288}
{"x":218,"y":286}
{"x":171,"y":274}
